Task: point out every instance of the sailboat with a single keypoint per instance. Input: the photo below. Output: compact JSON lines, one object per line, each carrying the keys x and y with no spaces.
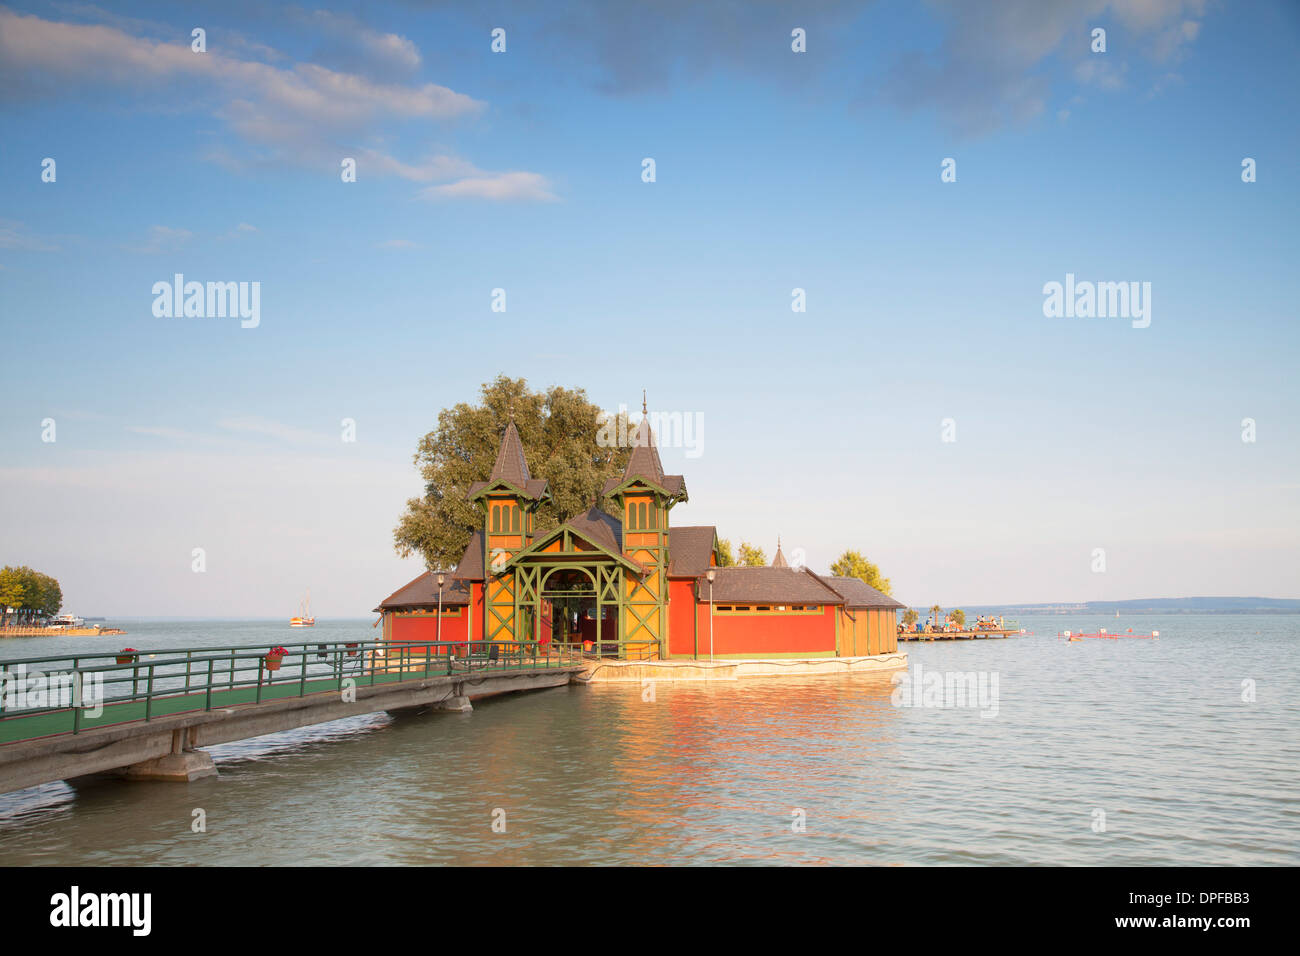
{"x":305,"y":619}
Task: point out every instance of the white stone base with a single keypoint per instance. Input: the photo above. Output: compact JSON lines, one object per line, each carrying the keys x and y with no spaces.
{"x":602,"y":672}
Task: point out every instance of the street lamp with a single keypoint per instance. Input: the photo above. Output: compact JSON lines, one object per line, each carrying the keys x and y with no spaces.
{"x":442,"y":578}
{"x":710,"y":577}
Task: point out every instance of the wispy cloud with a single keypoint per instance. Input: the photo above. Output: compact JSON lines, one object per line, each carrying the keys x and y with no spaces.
{"x":499,"y":187}
{"x":299,"y":113}
{"x":161,"y":239}
{"x":993,"y":67}
{"x":15,"y":235}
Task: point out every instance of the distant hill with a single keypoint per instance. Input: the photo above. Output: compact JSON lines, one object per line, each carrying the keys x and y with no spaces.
{"x":1186,"y":605}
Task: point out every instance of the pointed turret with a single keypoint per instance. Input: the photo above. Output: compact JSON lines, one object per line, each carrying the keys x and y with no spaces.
{"x":779,"y":561}
{"x":511,"y":465}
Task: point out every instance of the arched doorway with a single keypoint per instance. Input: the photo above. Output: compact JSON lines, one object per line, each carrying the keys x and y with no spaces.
{"x":578,"y":615}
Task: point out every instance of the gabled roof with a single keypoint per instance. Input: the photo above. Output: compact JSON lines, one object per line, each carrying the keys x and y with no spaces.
{"x":423,"y":592}
{"x":600,"y":527}
{"x":595,"y":526}
{"x":859,"y":594}
{"x":511,"y":468}
{"x":689,"y":550}
{"x":767,"y":585}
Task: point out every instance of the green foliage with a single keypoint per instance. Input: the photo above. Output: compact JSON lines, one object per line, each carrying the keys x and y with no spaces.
{"x":959,"y":616}
{"x":725,"y":557}
{"x":750,"y":556}
{"x":851,"y":564}
{"x":910,"y":616}
{"x":558,"y":428}
{"x":30,"y":593}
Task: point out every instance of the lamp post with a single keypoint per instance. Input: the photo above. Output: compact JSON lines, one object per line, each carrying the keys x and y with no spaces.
{"x":710,"y":577}
{"x":441,"y":580}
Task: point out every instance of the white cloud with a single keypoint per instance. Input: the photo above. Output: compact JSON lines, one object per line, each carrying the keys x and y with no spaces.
{"x":161,"y":239}
{"x":500,"y":187}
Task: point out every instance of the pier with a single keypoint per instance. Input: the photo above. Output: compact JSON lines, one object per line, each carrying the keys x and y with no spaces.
{"x":146,"y":714}
{"x":959,"y":635}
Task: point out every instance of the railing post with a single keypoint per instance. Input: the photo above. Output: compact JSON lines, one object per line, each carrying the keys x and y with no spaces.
{"x":207,"y":704}
{"x":189,"y":658}
{"x":76,"y":700}
{"x":302,"y":681}
{"x":148,"y":700}
{"x":261,"y":661}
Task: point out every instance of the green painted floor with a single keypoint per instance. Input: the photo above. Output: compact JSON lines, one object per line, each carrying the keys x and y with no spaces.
{"x":50,"y":723}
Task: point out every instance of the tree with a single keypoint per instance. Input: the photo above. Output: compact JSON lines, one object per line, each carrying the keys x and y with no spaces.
{"x":558,"y":428}
{"x":851,"y":564}
{"x":31,"y":594}
{"x":960,"y":617}
{"x":725,"y":558}
{"x":935,"y":611}
{"x":750,"y":556}
{"x":909,"y":617}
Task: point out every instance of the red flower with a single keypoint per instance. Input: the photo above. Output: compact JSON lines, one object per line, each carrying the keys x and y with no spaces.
{"x":276,"y":652}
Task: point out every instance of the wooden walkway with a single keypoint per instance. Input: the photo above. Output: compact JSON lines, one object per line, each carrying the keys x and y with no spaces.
{"x":959,"y":635}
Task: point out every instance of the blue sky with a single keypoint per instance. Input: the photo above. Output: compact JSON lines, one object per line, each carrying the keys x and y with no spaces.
{"x":774,"y":170}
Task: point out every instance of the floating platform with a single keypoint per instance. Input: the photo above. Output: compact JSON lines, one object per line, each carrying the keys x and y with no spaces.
{"x":961,"y":635}
{"x":59,"y":631}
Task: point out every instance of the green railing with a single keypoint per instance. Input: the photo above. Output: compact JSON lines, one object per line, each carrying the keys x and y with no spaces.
{"x":145,"y":684}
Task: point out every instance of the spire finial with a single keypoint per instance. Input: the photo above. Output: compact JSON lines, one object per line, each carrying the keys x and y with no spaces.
{"x":644,"y":410}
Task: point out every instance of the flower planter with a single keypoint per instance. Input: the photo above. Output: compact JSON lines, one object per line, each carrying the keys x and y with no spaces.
{"x":126,"y":658}
{"x":352,"y":649}
{"x":273,"y":663}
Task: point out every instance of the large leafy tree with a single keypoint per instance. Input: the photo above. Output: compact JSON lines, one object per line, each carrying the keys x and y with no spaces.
{"x":851,"y":564}
{"x":750,"y":556}
{"x":31,"y":594}
{"x":725,"y":558}
{"x":558,"y":428}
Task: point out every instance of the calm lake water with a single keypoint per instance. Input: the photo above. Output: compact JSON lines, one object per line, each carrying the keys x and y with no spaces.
{"x":1154,"y":734}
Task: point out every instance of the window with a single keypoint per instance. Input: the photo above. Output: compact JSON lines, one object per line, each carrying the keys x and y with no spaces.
{"x":496,"y":517}
{"x":640,"y":516}
{"x":654,"y":517}
{"x":514,"y":519}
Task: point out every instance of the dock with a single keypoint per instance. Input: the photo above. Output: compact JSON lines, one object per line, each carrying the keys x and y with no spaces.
{"x":145,"y":714}
{"x":960,"y":635}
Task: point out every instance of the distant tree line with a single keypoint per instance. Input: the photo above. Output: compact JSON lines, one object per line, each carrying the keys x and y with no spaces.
{"x":27,"y":596}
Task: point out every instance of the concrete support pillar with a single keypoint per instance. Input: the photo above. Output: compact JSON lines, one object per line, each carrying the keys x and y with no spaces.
{"x":182,"y":765}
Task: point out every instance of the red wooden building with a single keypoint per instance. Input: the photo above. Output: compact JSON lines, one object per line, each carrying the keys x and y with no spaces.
{"x":632,"y":587}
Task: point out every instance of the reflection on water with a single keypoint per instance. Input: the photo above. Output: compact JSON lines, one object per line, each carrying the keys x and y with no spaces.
{"x":1155,"y":734}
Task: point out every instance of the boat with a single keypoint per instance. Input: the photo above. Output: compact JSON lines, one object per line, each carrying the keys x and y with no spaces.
{"x":305,"y":619}
{"x":65,"y":620}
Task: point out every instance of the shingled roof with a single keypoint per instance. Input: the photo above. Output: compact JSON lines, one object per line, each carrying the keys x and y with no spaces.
{"x":644,"y":463}
{"x":767,"y":585}
{"x":423,"y":592}
{"x":471,"y":562}
{"x":598,"y":526}
{"x":512,"y":467}
{"x":859,"y":594}
{"x":779,"y":561}
{"x":689,"y":550}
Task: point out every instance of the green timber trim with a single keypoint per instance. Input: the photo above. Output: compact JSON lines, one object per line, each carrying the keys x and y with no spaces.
{"x":501,"y":486}
{"x":568,"y":533}
{"x":629,"y":485}
{"x":646,"y":616}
